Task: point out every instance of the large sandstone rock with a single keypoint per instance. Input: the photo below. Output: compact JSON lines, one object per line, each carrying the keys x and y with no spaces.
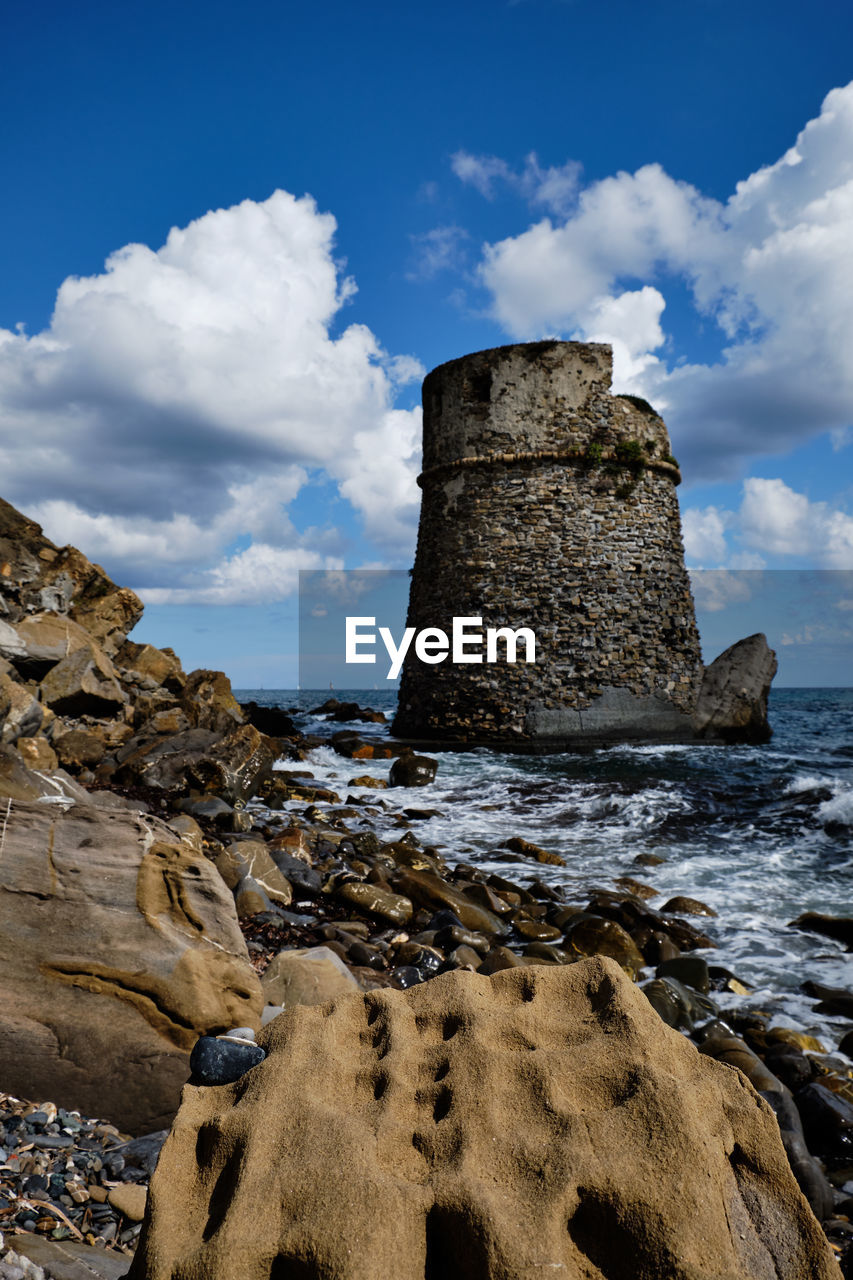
{"x":541,"y":1122}
{"x":21,"y":713}
{"x":119,"y":945}
{"x":37,"y":576}
{"x":39,"y":641}
{"x":83,"y":684}
{"x":732,"y":702}
{"x":208,"y":702}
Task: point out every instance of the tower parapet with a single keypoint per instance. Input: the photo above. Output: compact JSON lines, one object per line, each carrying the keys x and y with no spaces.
{"x":549,"y":503}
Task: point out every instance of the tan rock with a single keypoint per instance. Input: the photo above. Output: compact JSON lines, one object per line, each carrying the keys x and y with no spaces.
{"x":38,"y":641}
{"x":160,"y":665}
{"x":84,"y":683}
{"x":188,"y":830}
{"x":391,"y":907}
{"x":538,"y":1122}
{"x":129,"y":1198}
{"x":37,"y":753}
{"x":80,"y":748}
{"x":259,"y":865}
{"x":38,"y":576}
{"x":306,"y":976}
{"x":21,"y":714}
{"x":118,"y":947}
{"x":209,"y":703}
{"x":294,"y":841}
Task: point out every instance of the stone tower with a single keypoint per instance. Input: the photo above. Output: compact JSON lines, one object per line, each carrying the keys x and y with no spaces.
{"x":549,"y":503}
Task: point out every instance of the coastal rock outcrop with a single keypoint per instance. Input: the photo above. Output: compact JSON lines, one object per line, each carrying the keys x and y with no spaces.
{"x":732,"y":702}
{"x":541,"y":1120}
{"x":119,"y":946}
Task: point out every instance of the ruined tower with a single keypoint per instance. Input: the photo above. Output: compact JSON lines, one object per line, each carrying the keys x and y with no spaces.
{"x":549,"y":503}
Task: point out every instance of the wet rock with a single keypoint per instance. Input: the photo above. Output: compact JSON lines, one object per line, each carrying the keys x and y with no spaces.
{"x":365,"y":780}
{"x":688,"y":907}
{"x":807,"y":1171}
{"x":219,"y":1060}
{"x":845,"y":1044}
{"x":840,"y":928}
{"x":255,"y":860}
{"x":430,"y":890}
{"x":383,"y":903}
{"x":827,"y":1121}
{"x":677,"y":1004}
{"x":648,"y":860}
{"x":732,"y":702}
{"x":347,"y":711}
{"x":589,"y":935}
{"x":528,"y":850}
{"x":306,"y":976}
{"x":690,"y":970}
{"x":636,"y":887}
{"x":353,"y":747}
{"x":833,"y":1000}
{"x":271,"y":721}
{"x":410,"y":770}
{"x":331,"y":1080}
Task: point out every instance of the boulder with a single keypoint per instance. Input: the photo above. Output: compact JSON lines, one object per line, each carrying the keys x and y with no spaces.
{"x":410,"y":770}
{"x":38,"y":641}
{"x":83,"y":684}
{"x":306,"y":976}
{"x":732,"y":701}
{"x":541,"y":1121}
{"x":119,"y":946}
{"x":36,"y":576}
{"x":37,"y":753}
{"x":208,"y":702}
{"x":21,"y":713}
{"x":79,"y":748}
{"x":235,"y":767}
{"x":144,"y":662}
{"x":162,"y":761}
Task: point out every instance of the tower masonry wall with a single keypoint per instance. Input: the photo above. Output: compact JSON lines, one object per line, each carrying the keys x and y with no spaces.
{"x":551,"y":504}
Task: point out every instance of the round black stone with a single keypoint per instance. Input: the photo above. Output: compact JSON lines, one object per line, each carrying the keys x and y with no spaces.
{"x":214,"y":1061}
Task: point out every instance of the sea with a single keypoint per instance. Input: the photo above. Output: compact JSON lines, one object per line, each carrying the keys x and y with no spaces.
{"x":758,"y":833}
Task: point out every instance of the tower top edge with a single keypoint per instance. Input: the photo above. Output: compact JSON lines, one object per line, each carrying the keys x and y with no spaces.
{"x":530,"y":351}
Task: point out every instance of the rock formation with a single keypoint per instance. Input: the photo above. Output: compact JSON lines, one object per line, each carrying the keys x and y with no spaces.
{"x":540,"y":1121}
{"x":550,"y":504}
{"x":119,"y":946}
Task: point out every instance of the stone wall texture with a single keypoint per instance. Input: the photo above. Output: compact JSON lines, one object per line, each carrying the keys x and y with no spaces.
{"x":550,"y":503}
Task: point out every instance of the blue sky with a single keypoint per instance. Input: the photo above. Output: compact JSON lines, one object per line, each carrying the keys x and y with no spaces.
{"x":233,"y":240}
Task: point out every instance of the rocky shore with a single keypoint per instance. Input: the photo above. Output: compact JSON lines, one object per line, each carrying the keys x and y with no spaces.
{"x":170,"y":871}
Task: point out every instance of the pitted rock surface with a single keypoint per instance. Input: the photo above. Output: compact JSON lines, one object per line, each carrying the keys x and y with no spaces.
{"x":542,"y":1121}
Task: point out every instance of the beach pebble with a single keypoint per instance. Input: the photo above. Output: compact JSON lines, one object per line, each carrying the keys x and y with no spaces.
{"x":221,"y":1060}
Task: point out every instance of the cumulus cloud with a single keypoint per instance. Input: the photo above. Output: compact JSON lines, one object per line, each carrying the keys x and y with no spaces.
{"x":180,"y":400}
{"x":773,"y":520}
{"x":771,"y":269}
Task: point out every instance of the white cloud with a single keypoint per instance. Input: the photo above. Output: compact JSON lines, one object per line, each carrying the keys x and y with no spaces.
{"x":772,"y":269}
{"x":773,"y":520}
{"x":180,"y":400}
{"x":555,"y":188}
{"x":440,"y":249}
{"x":715,"y":589}
{"x":705,"y":535}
